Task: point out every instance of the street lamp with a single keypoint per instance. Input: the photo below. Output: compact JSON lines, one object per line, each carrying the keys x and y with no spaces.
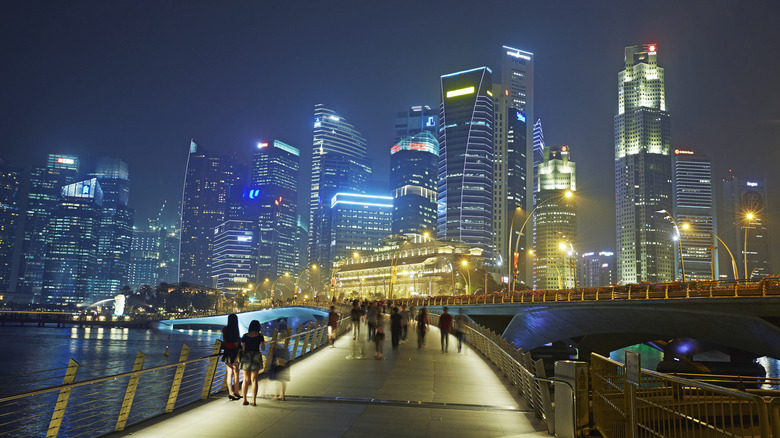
{"x":712,"y":259}
{"x":286,"y":274}
{"x":566,"y":194}
{"x":313,"y":267}
{"x":468,"y":284}
{"x":509,"y":259}
{"x":679,"y":241}
{"x":749,"y":217}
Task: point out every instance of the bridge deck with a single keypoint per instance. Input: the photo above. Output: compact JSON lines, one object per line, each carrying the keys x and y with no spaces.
{"x":416,"y":393}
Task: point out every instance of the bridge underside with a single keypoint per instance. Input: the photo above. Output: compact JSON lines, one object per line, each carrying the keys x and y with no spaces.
{"x":292,"y":316}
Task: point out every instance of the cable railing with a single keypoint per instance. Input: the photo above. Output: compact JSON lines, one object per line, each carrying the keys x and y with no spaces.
{"x":86,"y":407}
{"x":660,"y":405}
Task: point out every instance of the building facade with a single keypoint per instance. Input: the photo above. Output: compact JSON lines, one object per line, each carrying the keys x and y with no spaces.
{"x":555,"y":222}
{"x":359,"y":223}
{"x":596,"y":269}
{"x":416,"y":120}
{"x":745,"y":227}
{"x":10,"y":202}
{"x":339,"y":164}
{"x":694,"y":211}
{"x":413,"y":169}
{"x":235,"y":253}
{"x":465,"y":176}
{"x":643,"y":175}
{"x":209,"y":179}
{"x":144,"y":258}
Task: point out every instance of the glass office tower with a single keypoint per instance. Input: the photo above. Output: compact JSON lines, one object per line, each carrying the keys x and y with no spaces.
{"x":10,"y":201}
{"x":413,"y":169}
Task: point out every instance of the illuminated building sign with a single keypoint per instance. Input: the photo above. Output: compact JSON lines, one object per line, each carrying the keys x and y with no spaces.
{"x":85,"y":189}
{"x":65,"y":160}
{"x":752,"y":184}
{"x":489,"y":93}
{"x":244,"y":238}
{"x":518,"y":55}
{"x":251,"y":193}
{"x":460,"y":92}
{"x":431,"y":121}
{"x":262,"y":145}
{"x":520,"y":116}
{"x":682,"y":152}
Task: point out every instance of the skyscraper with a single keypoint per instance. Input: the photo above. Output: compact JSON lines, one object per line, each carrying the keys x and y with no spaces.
{"x":643,"y":175}
{"x":359,"y":223}
{"x":116,"y":227}
{"x":10,"y":200}
{"x":44,"y":196}
{"x":207,"y":185}
{"x":235,"y":253}
{"x":555,"y":221}
{"x":694,"y":207}
{"x":465,"y":178}
{"x":413,"y":170}
{"x":144,"y":258}
{"x":415,"y":120}
{"x":513,"y":103}
{"x":596,"y":270}
{"x":339,"y":164}
{"x":274,"y":187}
{"x":746,"y":233}
{"x":72,"y":242}
{"x":538,"y":151}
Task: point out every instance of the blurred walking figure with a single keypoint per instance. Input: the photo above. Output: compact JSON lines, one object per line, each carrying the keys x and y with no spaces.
{"x":231,"y":342}
{"x":333,"y":322}
{"x":445,"y":325}
{"x":460,"y":327}
{"x":251,"y":359}
{"x":280,"y":372}
{"x":355,"y":314}
{"x":371,"y":319}
{"x":379,"y":337}
{"x":405,"y":322}
{"x":396,"y":326}
{"x":422,"y":327}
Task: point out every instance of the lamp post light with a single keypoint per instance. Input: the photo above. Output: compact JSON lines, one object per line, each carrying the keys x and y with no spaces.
{"x":566,"y":194}
{"x":394,"y":259}
{"x":679,"y":240}
{"x":273,"y":285}
{"x":313,"y":267}
{"x":748,"y":217}
{"x":686,"y":226}
{"x":468,"y":272}
{"x":509,"y":259}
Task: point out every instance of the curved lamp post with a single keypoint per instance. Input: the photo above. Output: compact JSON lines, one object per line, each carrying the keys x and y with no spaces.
{"x":749,"y":217}
{"x":468,"y":272}
{"x":566,"y":194}
{"x":273,"y":285}
{"x":313,"y":267}
{"x":679,"y":241}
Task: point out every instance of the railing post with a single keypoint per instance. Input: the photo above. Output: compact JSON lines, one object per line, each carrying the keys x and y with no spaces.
{"x":132,"y":384}
{"x":212,"y":370}
{"x":647,"y":292}
{"x":323,"y":332}
{"x":629,"y":292}
{"x":666,"y":292}
{"x":62,"y":400}
{"x":185,"y":352}
{"x":271,"y":350}
{"x":687,"y":290}
{"x":297,"y":341}
{"x":308,"y":329}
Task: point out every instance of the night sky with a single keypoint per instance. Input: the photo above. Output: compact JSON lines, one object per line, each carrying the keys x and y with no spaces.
{"x":137,"y":80}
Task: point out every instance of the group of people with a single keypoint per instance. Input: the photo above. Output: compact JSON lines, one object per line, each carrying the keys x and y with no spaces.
{"x":244,"y":353}
{"x":375,"y":314}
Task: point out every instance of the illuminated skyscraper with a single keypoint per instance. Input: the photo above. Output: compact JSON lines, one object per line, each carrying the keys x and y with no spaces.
{"x":745,"y":221}
{"x":413,"y":169}
{"x":274,"y":188}
{"x":144,"y":258}
{"x":207,"y":185}
{"x":694,"y":207}
{"x":538,"y":151}
{"x":596,"y":270}
{"x":643,"y":175}
{"x":44,"y":196}
{"x":235,"y":253}
{"x":555,"y":221}
{"x":72,"y":242}
{"x":10,"y":200}
{"x":415,"y":121}
{"x":339,"y":164}
{"x":359,"y":223}
{"x":465,"y":178}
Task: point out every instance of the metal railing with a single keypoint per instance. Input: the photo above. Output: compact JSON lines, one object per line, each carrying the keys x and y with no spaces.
{"x":99,"y":405}
{"x":524,"y":373}
{"x":667,"y":406}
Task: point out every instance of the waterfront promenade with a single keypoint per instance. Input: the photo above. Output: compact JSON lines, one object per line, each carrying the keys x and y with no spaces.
{"x":414,"y":393}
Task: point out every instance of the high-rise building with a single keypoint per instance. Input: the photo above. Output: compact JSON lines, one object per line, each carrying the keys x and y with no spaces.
{"x":144,"y":258}
{"x":643,"y":174}
{"x":359,"y":223}
{"x":745,"y":227}
{"x":72,"y":239}
{"x":274,"y":188}
{"x":43,"y":198}
{"x":465,"y":178}
{"x":169,"y":255}
{"x":339,"y":164}
{"x":416,"y":120}
{"x":538,"y":151}
{"x":413,"y":171}
{"x":555,"y":222}
{"x":694,"y":211}
{"x":596,"y":269}
{"x":207,"y":185}
{"x":235,"y":253}
{"x":10,"y":200}
{"x":116,"y":227}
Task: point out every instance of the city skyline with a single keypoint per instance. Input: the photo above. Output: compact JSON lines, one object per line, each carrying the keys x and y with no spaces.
{"x":88,"y":107}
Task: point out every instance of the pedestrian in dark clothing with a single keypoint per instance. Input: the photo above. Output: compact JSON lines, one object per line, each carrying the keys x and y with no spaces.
{"x":396,"y":327}
{"x":333,"y":322}
{"x":460,"y":327}
{"x":422,"y":327}
{"x":445,"y":326}
{"x":355,"y":315}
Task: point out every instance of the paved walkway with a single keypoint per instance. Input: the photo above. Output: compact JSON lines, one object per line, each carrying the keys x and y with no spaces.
{"x":413,"y":393}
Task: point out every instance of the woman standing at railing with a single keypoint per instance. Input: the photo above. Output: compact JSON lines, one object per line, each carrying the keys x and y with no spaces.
{"x":231,"y":342}
{"x":252,"y":360}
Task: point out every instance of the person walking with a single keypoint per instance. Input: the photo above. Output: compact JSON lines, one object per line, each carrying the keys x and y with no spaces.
{"x":405,"y":322}
{"x":396,"y":327}
{"x":422,"y":327}
{"x":354,"y":315}
{"x":333,"y":322}
{"x":379,"y":337}
{"x":371,"y":318}
{"x":445,"y":325}
{"x":459,"y":324}
{"x":279,"y":372}
{"x":231,"y":343}
{"x":251,"y":359}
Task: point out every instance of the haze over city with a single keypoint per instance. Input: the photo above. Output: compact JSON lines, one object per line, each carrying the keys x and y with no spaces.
{"x":137,"y":82}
